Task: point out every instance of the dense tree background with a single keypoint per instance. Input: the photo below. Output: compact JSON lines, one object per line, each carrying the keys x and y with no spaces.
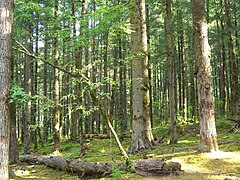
{"x":55,"y":41}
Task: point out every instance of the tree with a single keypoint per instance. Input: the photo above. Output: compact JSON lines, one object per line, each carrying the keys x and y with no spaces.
{"x":6,"y":21}
{"x":28,"y":89}
{"x":233,"y":62}
{"x":13,"y":147}
{"x":208,"y":134}
{"x":142,"y":137}
{"x":56,"y":121}
{"x":170,"y":57}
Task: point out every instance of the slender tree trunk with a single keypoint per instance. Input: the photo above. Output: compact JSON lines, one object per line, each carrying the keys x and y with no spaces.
{"x":208,"y":134}
{"x":95,"y":116}
{"x":45,"y":77}
{"x":28,"y":89}
{"x":122,"y":94}
{"x":222,"y":66}
{"x":78,"y":63}
{"x":88,"y":118}
{"x":170,"y":57}
{"x":142,"y":137}
{"x":56,"y":121}
{"x":233,"y":62}
{"x":13,"y":149}
{"x":6,"y":21}
{"x":35,"y":112}
{"x":105,"y":72}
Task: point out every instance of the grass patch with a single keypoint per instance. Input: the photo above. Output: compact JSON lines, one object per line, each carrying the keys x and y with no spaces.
{"x":214,"y":166}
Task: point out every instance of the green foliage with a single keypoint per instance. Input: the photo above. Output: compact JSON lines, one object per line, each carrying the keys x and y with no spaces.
{"x":116,"y":173}
{"x":130,"y":164}
{"x":18,"y":94}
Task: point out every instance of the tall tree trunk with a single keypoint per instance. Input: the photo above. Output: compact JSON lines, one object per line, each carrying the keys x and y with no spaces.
{"x":79,"y":66}
{"x":105,"y":72}
{"x":233,"y":62}
{"x":170,"y":57}
{"x":222,"y":64}
{"x":78,"y":63}
{"x":122,"y":95}
{"x":13,"y":148}
{"x":96,"y":119}
{"x":208,"y":134}
{"x":28,"y":89}
{"x":56,"y":121}
{"x":88,"y":118}
{"x":142,"y":137}
{"x":6,"y":21}
{"x":45,"y":77}
{"x":35,"y":92}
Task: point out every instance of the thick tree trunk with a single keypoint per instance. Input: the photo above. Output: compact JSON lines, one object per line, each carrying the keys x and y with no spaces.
{"x":152,"y":167}
{"x":142,"y":137}
{"x":6,"y":21}
{"x":208,"y":134}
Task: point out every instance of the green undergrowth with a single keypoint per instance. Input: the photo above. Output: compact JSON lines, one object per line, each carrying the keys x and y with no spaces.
{"x":221,"y":165}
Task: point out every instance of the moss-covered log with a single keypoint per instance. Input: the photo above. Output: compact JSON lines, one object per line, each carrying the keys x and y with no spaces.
{"x":93,"y":169}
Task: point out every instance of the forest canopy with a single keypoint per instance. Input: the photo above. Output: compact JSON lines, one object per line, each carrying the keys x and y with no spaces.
{"x":145,"y":72}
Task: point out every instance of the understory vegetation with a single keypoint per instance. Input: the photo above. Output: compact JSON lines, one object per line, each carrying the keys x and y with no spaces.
{"x":224,"y":164}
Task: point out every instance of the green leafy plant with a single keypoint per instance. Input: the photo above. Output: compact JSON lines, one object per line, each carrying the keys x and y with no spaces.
{"x":116,"y":172}
{"x":18,"y":94}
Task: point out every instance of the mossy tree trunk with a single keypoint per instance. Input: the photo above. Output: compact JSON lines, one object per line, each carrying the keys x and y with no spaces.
{"x":6,"y":21}
{"x":142,"y":137}
{"x":208,"y":134}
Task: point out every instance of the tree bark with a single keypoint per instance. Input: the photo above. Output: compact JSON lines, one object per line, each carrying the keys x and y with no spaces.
{"x":78,"y":64}
{"x":233,"y":62}
{"x":170,"y":57}
{"x":142,"y":137}
{"x":6,"y":21}
{"x":56,"y":121}
{"x":28,"y":89}
{"x":208,"y":134}
{"x":13,"y":149}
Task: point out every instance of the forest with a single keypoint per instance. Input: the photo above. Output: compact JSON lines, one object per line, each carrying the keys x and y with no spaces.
{"x":120,"y":89}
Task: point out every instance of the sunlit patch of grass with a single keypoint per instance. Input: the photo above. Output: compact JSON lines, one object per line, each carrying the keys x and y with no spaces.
{"x":186,"y":141}
{"x":25,"y":171}
{"x":218,"y":166}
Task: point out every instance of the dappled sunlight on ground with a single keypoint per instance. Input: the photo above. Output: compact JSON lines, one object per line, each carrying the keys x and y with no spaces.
{"x":223,"y":155}
{"x":32,"y":172}
{"x":215,"y":165}
{"x":219,"y":165}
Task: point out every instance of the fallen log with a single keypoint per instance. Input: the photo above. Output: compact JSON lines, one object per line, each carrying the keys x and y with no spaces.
{"x":151,"y":167}
{"x":102,"y":136}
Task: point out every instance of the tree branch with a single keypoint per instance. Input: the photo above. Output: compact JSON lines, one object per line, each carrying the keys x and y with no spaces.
{"x":87,"y":82}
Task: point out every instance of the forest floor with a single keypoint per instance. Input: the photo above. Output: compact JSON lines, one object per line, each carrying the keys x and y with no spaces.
{"x":222,"y":165}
